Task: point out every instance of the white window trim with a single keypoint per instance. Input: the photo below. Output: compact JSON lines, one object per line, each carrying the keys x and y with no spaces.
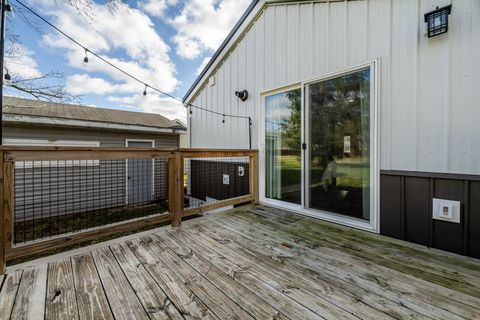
{"x":50,"y":143}
{"x":374,"y":224}
{"x":152,"y":142}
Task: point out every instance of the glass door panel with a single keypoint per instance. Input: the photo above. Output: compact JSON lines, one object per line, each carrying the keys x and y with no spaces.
{"x":283,"y":170}
{"x":339,"y":144}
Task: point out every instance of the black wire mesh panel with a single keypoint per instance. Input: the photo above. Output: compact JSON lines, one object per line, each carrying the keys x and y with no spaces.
{"x":209,"y":180}
{"x":54,"y":198}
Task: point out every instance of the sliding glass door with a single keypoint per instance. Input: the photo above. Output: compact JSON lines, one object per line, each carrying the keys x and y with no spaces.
{"x":338,"y":162}
{"x":320,"y":155}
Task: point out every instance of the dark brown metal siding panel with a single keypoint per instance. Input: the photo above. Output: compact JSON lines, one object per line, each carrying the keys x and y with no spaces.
{"x":417,"y":215}
{"x":474,"y":221}
{"x":406,"y":206}
{"x":446,"y":235}
{"x":390,"y":206}
{"x":207,"y":179}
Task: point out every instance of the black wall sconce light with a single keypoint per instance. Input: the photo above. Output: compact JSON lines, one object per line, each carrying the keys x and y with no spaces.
{"x":242,"y":95}
{"x":437,"y":21}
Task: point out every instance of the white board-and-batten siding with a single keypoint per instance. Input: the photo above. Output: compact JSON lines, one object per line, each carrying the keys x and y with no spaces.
{"x":429,"y":102}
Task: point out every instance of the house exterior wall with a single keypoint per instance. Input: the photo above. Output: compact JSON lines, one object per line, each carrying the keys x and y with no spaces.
{"x":106,"y":138}
{"x":428,"y":98}
{"x":58,"y":190}
{"x":428,"y":87}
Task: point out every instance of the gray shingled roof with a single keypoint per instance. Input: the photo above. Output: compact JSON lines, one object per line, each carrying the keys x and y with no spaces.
{"x":28,"y":107}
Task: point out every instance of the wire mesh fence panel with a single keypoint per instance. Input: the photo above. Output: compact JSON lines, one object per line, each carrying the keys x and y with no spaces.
{"x":57,"y":197}
{"x":213,"y":179}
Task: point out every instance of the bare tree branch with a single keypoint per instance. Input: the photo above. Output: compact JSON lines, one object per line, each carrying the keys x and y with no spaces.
{"x":48,"y":86}
{"x":43,"y":87}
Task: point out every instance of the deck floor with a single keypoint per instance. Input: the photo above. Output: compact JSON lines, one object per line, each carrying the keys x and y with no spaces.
{"x":248,"y":263}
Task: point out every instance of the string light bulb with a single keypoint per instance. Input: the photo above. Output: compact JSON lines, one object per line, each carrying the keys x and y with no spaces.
{"x":190,"y":110}
{"x":85,"y":60}
{"x":145,"y":91}
{"x":7,"y":76}
{"x":223,"y":120}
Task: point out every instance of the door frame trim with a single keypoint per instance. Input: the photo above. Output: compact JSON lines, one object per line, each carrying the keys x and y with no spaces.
{"x":374,"y":224}
{"x":261,"y":154}
{"x":152,"y":142}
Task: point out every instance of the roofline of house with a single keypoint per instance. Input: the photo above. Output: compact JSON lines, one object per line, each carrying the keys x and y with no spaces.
{"x":221,"y":48}
{"x":51,"y":121}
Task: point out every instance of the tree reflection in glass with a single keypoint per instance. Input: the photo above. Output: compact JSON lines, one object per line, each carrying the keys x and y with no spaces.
{"x":340,"y":144}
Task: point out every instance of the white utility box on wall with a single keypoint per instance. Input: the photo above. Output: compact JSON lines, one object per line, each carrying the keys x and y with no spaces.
{"x":446,"y":210}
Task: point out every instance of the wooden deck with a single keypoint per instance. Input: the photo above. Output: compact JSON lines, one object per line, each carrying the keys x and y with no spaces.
{"x":247,"y":263}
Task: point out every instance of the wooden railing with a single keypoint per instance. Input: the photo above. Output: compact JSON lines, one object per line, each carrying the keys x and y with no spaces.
{"x":57,"y":196}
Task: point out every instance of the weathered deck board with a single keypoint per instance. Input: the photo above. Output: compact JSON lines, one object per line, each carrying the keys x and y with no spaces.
{"x":61,"y":302}
{"x":187,"y":303}
{"x":279,"y":295}
{"x":333,"y":252}
{"x":384,"y":277}
{"x":30,"y":299}
{"x":343,"y":295}
{"x":120,"y":295}
{"x":417,"y":256}
{"x":334,"y":248}
{"x":272,"y":302}
{"x":364,"y":278}
{"x":214,"y":299}
{"x":91,"y":300}
{"x":248,"y":263}
{"x":361,"y":244}
{"x":151,"y":296}
{"x":8,"y":293}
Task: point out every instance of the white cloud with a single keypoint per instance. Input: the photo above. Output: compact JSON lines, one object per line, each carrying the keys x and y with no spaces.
{"x":203,"y":24}
{"x":156,"y":8}
{"x":202,"y":65}
{"x":153,"y":103}
{"x":21,"y":63}
{"x":84,"y":84}
{"x":128,"y":39}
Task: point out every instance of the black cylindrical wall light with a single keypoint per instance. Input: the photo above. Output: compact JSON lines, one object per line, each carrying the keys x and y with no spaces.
{"x":243,"y":95}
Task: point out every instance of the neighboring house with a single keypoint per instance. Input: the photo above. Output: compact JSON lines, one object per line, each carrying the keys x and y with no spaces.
{"x":183,"y":143}
{"x":34,"y":122}
{"x":360,"y":118}
{"x":118,"y":182}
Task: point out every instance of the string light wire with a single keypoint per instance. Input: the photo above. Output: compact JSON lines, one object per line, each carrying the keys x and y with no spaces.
{"x":186,"y":104}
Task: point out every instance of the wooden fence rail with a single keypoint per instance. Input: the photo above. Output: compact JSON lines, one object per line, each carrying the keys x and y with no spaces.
{"x":192,"y":179}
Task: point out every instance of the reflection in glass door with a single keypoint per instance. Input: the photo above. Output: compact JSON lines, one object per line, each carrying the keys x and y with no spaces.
{"x":283,"y":174}
{"x":338,"y":129}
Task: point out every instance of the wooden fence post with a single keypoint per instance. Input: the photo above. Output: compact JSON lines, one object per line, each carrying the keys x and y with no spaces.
{"x":8,"y":205}
{"x":178,"y":190}
{"x":2,"y":225}
{"x":171,"y":186}
{"x":254,"y":177}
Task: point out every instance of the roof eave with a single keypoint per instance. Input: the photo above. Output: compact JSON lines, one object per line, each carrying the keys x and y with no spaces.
{"x":50,"y":121}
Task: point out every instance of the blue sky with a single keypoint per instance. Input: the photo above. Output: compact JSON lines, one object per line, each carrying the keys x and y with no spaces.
{"x":162,"y":42}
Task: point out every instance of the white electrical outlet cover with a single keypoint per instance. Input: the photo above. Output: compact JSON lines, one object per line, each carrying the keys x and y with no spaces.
{"x":241,"y":171}
{"x":446,"y":210}
{"x":226,"y":179}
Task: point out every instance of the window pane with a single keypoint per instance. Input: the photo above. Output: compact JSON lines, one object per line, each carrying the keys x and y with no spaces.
{"x":282,"y":146}
{"x":340,"y":145}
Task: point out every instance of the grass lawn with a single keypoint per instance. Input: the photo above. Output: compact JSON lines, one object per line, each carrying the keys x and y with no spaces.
{"x":349,"y":171}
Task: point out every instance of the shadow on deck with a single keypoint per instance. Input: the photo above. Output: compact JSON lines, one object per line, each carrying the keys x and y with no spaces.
{"x":248,"y":263}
